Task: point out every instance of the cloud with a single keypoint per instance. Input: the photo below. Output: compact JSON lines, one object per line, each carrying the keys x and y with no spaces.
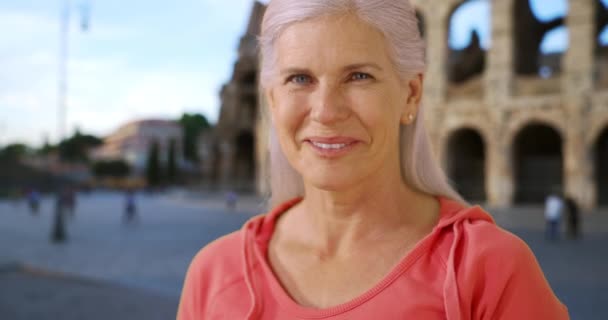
{"x":107,"y":85}
{"x":162,"y":93}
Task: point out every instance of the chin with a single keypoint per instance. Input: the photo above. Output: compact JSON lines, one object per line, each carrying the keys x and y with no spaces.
{"x":331,"y":181}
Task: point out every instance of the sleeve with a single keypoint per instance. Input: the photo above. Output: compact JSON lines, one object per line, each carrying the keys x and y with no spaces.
{"x":497,"y":277}
{"x":190,"y":301}
{"x":524,"y":291}
{"x":214,"y":267}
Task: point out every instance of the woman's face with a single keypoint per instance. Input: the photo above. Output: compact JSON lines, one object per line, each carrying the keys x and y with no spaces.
{"x":337,"y":102}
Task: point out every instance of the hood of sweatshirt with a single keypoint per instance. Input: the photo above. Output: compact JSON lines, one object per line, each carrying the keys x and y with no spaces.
{"x":258,"y":231}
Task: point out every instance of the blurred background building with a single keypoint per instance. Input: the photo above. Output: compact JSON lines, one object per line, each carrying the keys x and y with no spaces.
{"x":132,"y":143}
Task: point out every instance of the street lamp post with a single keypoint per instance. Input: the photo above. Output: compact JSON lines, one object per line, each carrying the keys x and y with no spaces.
{"x":58,"y":232}
{"x":63,"y":61}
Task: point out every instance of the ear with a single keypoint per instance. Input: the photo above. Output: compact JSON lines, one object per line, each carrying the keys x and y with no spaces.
{"x":414,"y":88}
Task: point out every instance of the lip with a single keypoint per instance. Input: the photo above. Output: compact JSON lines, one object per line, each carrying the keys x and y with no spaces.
{"x":350,"y":144}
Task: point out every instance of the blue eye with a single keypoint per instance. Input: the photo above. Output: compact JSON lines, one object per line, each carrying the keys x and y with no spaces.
{"x":300,"y":79}
{"x":360,"y":76}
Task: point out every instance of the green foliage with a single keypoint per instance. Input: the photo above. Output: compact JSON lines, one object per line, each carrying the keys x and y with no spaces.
{"x":192,"y":125}
{"x":47,"y":148}
{"x":14,"y":151}
{"x":75,"y":148}
{"x":113,"y":168}
{"x":153,"y":174}
{"x":171,"y":162}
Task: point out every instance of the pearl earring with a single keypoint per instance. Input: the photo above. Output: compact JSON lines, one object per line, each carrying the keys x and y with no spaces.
{"x":411,"y":117}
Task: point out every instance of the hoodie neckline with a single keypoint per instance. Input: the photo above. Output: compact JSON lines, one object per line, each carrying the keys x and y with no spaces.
{"x":450,"y":212}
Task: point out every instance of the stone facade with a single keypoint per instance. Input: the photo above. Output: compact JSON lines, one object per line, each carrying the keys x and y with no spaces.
{"x":510,"y":102}
{"x":235,"y":134}
{"x":504,"y":136}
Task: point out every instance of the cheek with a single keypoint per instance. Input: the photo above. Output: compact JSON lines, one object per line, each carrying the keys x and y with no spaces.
{"x":288,"y":115}
{"x":377,"y":111}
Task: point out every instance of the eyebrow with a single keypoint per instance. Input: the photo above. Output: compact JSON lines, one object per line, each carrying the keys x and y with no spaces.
{"x":363,"y":65}
{"x":347,"y":68}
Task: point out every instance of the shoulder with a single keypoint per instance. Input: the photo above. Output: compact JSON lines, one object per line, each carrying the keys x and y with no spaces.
{"x":214,"y":268}
{"x":221,"y":267}
{"x":218,"y":262}
{"x":495,"y":275}
{"x":488,"y":240}
{"x":480,"y":243}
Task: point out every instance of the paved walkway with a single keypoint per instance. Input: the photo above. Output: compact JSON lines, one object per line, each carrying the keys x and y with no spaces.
{"x":136,"y":271}
{"x":27,"y":293}
{"x":149,"y":257}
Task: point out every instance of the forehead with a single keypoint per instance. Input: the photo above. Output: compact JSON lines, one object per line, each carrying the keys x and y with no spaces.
{"x":343,"y":39}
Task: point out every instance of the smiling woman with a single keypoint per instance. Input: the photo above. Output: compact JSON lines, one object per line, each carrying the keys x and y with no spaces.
{"x":364,"y":224}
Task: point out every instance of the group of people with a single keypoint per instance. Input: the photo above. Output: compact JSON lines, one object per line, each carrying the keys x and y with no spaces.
{"x":556,"y":207}
{"x":65,"y":207}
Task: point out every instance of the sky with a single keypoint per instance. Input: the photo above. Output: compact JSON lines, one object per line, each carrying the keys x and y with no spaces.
{"x":144,"y":59}
{"x":138,"y":59}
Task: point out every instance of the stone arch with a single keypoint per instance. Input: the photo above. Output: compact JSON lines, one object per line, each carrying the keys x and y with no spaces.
{"x":244,"y":164}
{"x":601,"y":50}
{"x":465,"y":66}
{"x":466,"y":163}
{"x":529,"y":32}
{"x":600,"y":158}
{"x":538,"y":162}
{"x":595,"y":129}
{"x":519,"y":121}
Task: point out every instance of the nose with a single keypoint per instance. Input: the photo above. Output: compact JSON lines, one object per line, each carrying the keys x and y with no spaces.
{"x":329,"y":105}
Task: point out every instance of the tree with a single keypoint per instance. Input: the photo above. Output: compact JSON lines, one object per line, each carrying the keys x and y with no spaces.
{"x":171,"y":162}
{"x":14,"y":151}
{"x":153,"y":166}
{"x":75,"y":148}
{"x":46,"y":148}
{"x":192,"y":126}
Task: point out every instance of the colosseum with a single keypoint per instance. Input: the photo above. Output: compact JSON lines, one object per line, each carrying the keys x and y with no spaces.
{"x":510,"y":124}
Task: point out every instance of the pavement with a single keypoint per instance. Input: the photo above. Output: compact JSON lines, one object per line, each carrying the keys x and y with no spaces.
{"x":110,"y":270}
{"x":29,"y":293}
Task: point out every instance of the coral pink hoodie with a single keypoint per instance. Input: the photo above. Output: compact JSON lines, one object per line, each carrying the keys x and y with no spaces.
{"x":466,"y":268}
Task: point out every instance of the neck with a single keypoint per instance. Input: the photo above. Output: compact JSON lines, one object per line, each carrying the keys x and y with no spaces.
{"x":336,"y":222}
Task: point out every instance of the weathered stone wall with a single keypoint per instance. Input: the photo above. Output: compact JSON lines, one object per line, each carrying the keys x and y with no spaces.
{"x":576,"y":111}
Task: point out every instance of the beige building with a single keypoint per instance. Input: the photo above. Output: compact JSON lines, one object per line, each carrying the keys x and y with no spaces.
{"x":132,"y":141}
{"x":509,"y":124}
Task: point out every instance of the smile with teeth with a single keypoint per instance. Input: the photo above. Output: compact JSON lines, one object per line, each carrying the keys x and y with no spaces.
{"x":329,"y":146}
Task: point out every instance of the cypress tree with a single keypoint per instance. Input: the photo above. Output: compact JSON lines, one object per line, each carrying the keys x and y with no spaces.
{"x":153,"y":165}
{"x":171,"y":162}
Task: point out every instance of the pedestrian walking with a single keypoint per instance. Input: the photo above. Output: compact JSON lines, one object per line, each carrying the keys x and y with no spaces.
{"x":58,"y":232}
{"x":33,"y":200}
{"x":573,"y":217}
{"x":553,"y":215}
{"x":231,"y":200}
{"x":130,"y":207}
{"x":70,"y":201}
